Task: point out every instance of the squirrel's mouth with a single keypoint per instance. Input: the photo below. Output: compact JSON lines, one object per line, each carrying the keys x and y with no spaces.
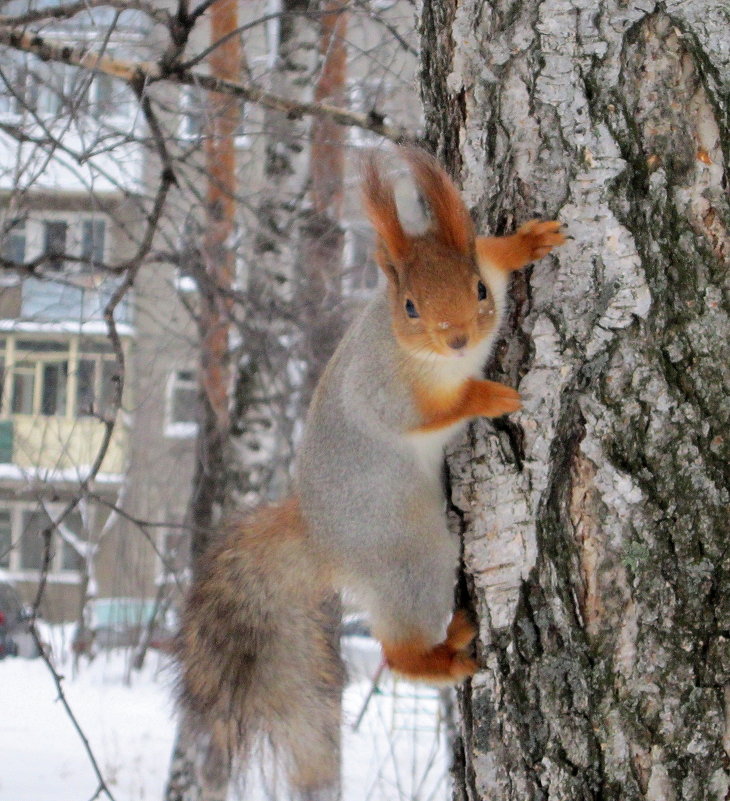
{"x":446,"y":353}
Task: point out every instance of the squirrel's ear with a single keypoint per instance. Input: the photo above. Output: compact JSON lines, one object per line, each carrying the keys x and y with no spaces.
{"x":380,"y":206}
{"x":386,"y":263}
{"x":451,"y":219}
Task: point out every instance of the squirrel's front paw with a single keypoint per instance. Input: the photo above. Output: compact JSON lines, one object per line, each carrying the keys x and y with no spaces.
{"x":539,"y":237}
{"x":492,"y":399}
{"x":505,"y":400}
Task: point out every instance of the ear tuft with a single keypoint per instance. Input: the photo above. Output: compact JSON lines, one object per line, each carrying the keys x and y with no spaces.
{"x":381,"y":208}
{"x":452,"y":222}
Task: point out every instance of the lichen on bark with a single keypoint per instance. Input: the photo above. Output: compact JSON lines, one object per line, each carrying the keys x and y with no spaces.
{"x":595,"y":524}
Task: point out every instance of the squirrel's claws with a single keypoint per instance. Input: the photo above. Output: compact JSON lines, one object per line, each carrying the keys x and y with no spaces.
{"x":463,"y":666}
{"x":539,"y":237}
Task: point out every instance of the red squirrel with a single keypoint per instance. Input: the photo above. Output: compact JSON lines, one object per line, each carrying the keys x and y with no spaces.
{"x":367,"y":511}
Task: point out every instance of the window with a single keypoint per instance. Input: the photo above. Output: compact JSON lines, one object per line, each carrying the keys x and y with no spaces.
{"x":6,"y":538}
{"x":53,"y":388}
{"x":86,"y":386}
{"x":184,"y":397}
{"x":92,"y":242}
{"x":55,"y":379}
{"x":18,"y":89}
{"x":51,"y":81}
{"x":32,"y":541}
{"x":100,"y":96}
{"x":51,"y":90}
{"x":81,"y":237}
{"x":13,"y":246}
{"x":188,"y":247}
{"x":23,"y":387}
{"x":96,"y":378}
{"x":8,"y":91}
{"x":23,"y":531}
{"x":40,"y":378}
{"x":182,"y":404}
{"x":55,"y":234}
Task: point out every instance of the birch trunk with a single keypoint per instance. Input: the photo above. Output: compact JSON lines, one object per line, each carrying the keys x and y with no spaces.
{"x":595,"y":521}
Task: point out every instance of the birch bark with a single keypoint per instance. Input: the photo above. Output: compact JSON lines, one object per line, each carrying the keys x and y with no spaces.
{"x":595,"y":521}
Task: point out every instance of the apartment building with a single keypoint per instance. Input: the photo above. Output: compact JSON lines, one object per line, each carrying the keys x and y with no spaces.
{"x":73,"y":202}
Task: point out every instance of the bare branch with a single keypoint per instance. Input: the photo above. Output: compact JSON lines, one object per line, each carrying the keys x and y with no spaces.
{"x":139,"y":73}
{"x":102,"y":786}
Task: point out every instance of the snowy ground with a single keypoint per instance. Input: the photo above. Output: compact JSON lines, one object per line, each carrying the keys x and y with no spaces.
{"x":397,"y":753}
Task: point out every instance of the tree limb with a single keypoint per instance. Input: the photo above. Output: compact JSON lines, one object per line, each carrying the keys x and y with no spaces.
{"x":144,"y":73}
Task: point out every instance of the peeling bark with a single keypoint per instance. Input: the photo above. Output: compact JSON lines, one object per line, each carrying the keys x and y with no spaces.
{"x":595,"y":521}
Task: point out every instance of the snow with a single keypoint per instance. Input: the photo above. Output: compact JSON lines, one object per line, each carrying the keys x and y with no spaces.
{"x":87,"y":327}
{"x":398,"y":751}
{"x":75,"y":474}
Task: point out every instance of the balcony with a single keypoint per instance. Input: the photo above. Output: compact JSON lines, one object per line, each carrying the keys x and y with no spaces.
{"x":58,"y":445}
{"x":56,"y":392}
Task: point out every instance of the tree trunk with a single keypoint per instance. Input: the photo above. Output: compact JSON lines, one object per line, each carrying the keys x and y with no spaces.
{"x":595,"y":521}
{"x":266,"y":410}
{"x":197,"y":772}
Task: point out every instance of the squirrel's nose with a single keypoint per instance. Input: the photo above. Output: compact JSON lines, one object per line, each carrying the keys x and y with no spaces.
{"x":458,"y":342}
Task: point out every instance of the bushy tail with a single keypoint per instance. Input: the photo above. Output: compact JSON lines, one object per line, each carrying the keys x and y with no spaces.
{"x":255,"y":655}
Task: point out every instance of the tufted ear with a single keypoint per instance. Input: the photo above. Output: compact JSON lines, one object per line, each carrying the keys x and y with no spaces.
{"x":451,"y":220}
{"x":381,"y":208}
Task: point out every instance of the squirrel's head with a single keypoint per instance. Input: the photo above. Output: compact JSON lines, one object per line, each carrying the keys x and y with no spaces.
{"x":439,"y":302}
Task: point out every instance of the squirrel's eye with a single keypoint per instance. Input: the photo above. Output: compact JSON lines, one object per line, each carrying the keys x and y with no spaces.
{"x":481,"y":291}
{"x":411,"y":309}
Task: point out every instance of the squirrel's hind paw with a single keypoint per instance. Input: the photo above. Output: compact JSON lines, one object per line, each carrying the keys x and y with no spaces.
{"x":445,"y":663}
{"x":460,"y":632}
{"x":462,"y":667}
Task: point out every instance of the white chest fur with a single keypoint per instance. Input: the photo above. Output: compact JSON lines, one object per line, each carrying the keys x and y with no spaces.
{"x":428,"y":446}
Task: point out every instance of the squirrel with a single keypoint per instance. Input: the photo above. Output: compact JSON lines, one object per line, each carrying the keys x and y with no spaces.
{"x":367,"y":512}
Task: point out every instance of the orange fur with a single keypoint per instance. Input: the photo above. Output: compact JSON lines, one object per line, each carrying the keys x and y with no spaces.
{"x":472,"y":399}
{"x":443,"y":285}
{"x":452,"y":223}
{"x":380,"y":206}
{"x":461,"y":631}
{"x":533,"y":240}
{"x":446,"y":662}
